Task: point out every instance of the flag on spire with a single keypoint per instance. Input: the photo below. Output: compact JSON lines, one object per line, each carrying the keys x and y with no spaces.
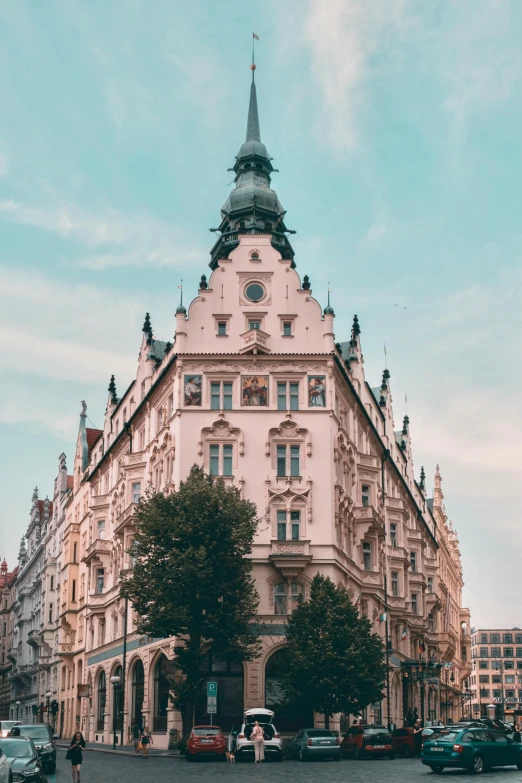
{"x":255,"y":36}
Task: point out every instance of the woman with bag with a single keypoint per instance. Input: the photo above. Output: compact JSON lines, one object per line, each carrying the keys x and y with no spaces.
{"x":146,"y":740}
{"x":74,"y":755}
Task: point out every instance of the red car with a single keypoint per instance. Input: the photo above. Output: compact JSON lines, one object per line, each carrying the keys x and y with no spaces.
{"x":404,"y":741}
{"x":363,"y":741}
{"x":206,"y":741}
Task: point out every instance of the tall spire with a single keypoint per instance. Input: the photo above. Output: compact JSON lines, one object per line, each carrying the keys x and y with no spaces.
{"x":253,"y":206}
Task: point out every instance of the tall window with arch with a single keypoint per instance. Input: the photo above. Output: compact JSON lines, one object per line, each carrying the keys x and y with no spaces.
{"x":161,"y":695}
{"x":101,"y":701}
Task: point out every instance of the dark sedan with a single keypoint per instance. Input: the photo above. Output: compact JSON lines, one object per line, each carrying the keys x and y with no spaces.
{"x":475,"y":749}
{"x":24,"y":759}
{"x":42,"y":736}
{"x":314,"y":744}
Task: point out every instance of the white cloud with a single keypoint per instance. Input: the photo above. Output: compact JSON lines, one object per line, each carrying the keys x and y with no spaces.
{"x":135,"y":239}
{"x":344,"y":36}
{"x":376,"y":232}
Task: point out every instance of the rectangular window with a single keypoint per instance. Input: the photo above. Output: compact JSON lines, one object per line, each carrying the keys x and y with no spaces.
{"x":509,"y":665}
{"x":136,"y":492}
{"x":367,"y":555}
{"x":483,"y":665}
{"x":507,"y":638}
{"x":413,"y":562}
{"x":52,"y":583}
{"x":495,"y":638}
{"x":254,"y":324}
{"x":510,"y":679}
{"x":483,"y":638}
{"x":393,"y":534}
{"x":431,"y":623}
{"x":484,"y":693}
{"x":75,"y":552}
{"x":288,"y":461}
{"x":101,"y":528}
{"x":483,"y":652}
{"x":496,"y":665}
{"x":497,"y":694}
{"x":365,"y":495}
{"x":287,"y":396}
{"x":221,"y":396}
{"x":395,"y":583}
{"x":508,"y":652}
{"x":50,"y":613}
{"x":222,"y":328}
{"x":414,"y":604}
{"x":510,"y":694}
{"x":100,"y":580}
{"x":519,"y":652}
{"x":495,"y":652}
{"x":483,"y":678}
{"x":430,"y":584}
{"x":295,"y":521}
{"x":496,"y":679}
{"x":73,"y":591}
{"x":281,"y":525}
{"x":287,"y":329}
{"x":220,"y":459}
{"x":518,"y":638}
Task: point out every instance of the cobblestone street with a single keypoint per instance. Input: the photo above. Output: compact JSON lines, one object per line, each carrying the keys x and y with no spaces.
{"x":108,"y":768}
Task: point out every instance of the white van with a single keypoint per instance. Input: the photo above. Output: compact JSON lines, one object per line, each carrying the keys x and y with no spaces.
{"x":273,"y":742}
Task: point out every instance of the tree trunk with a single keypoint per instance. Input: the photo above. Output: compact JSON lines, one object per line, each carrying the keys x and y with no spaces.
{"x":187,"y":717}
{"x":326,"y":721}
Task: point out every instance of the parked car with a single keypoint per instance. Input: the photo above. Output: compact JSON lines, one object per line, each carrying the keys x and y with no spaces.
{"x":206,"y":741}
{"x":24,"y":760}
{"x":6,"y":776}
{"x":360,"y":741}
{"x":404,"y":742}
{"x":273,"y":742}
{"x":7,"y":725}
{"x":475,"y":749}
{"x":314,"y":743}
{"x":44,"y":739}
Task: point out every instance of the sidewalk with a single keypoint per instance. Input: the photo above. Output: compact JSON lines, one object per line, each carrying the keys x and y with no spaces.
{"x":124,"y":750}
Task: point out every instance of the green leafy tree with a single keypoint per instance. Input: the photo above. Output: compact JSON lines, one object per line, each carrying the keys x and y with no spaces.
{"x":192,"y":577}
{"x":334,"y":662}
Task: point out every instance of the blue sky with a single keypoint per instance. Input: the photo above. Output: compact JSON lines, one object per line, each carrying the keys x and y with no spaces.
{"x":396,"y":129}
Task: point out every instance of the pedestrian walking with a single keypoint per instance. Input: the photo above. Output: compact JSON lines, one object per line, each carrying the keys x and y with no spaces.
{"x":257,"y":738}
{"x":516,"y":734}
{"x":417,"y":737}
{"x":136,"y":738}
{"x":146,"y":740}
{"x":74,"y":755}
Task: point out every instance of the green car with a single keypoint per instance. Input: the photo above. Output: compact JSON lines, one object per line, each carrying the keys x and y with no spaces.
{"x":475,"y":749}
{"x":314,"y":744}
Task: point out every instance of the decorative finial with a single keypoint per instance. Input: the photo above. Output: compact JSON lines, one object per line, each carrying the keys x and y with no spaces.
{"x":203,"y":283}
{"x":83,"y":414}
{"x":422,"y":484}
{"x":405,"y":424}
{"x":306,"y":283}
{"x":328,"y":310}
{"x":253,"y":66}
{"x":181,"y":309}
{"x":384,"y":384}
{"x":356,"y":329}
{"x":382,"y":401}
{"x":112,"y":390}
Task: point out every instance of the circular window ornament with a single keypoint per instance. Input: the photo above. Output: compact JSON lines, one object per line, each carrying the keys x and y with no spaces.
{"x":254,"y":292}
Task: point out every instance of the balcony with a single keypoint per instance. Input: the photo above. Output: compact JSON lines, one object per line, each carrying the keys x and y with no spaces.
{"x":11,"y":654}
{"x":255,"y":340}
{"x":125,"y":519}
{"x":136,"y":458}
{"x":66,"y":649}
{"x":33,"y":638}
{"x":368,"y":519}
{"x":99,"y":547}
{"x":99,"y":501}
{"x":433,"y":601}
{"x":290,"y":557}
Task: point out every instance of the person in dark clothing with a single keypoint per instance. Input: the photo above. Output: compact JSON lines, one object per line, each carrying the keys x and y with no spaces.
{"x":417,"y":737}
{"x":516,"y":735}
{"x":74,"y":754}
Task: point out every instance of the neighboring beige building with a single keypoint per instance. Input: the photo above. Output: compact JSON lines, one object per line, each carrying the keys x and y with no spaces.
{"x":7,"y":598}
{"x":496,"y":677}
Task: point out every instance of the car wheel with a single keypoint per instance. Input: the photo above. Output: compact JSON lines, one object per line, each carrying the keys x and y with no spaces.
{"x":337,"y":757}
{"x":357,"y":753}
{"x":435,"y":768}
{"x":189,"y":757}
{"x":406,"y":752}
{"x":519,"y":763}
{"x":477,"y":765}
{"x":301,"y":755}
{"x":391,"y":756}
{"x":10,"y":777}
{"x":51,"y":767}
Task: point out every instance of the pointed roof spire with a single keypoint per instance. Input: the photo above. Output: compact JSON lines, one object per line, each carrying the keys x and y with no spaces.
{"x":422,"y":484}
{"x":181,"y":308}
{"x":112,"y":391}
{"x":328,"y":310}
{"x":147,"y":328}
{"x":253,"y":131}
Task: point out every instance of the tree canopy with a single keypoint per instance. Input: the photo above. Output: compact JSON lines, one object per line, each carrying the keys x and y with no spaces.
{"x":192,"y":577}
{"x":334,"y":661}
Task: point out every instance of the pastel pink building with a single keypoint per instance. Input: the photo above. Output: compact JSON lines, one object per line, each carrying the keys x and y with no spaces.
{"x":254,"y":387}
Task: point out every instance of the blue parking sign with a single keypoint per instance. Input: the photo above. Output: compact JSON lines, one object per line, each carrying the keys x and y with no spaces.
{"x":211,"y":688}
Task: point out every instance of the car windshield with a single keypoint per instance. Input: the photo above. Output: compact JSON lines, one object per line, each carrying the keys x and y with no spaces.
{"x":374,"y":731}
{"x":319,"y":733}
{"x":8,"y":724}
{"x":206,"y":732}
{"x":13,"y":749}
{"x":35,"y":732}
{"x":444,"y":736}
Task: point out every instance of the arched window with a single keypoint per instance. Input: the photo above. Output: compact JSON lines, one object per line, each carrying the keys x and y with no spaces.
{"x":117,"y":700}
{"x":102,"y":697}
{"x":138,"y":691}
{"x":161,"y":695}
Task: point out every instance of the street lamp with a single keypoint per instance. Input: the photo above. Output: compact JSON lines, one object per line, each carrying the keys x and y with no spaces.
{"x":48,"y":697}
{"x":17,"y":706}
{"x":115,"y":682}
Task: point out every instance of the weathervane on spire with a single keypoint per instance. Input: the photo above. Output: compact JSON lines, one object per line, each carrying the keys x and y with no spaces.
{"x":253,"y":66}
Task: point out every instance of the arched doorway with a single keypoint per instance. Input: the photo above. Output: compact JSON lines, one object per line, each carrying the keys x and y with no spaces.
{"x":100,"y":702}
{"x":286,"y":718}
{"x":138,"y":692}
{"x":117,"y":701}
{"x":230,"y":699}
{"x":161,"y":694}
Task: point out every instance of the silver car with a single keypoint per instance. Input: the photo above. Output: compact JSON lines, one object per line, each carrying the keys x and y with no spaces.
{"x":272,"y":742}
